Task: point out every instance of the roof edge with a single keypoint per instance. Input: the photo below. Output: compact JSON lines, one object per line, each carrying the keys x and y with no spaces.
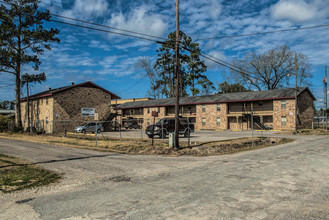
{"x":200,"y":103}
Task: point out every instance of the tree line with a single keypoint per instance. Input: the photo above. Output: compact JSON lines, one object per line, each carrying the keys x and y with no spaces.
{"x":268,"y":70}
{"x":23,"y":39}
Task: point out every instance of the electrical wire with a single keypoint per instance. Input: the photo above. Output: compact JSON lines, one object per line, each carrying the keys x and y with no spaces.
{"x":102,"y":30}
{"x":100,"y":25}
{"x":267,"y":32}
{"x":106,"y":31}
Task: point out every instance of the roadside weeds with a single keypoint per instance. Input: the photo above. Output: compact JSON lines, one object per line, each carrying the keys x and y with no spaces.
{"x":144,"y":147}
{"x":17,"y":174}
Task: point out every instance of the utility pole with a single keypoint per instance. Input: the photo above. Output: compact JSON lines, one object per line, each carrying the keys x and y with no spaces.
{"x":176,"y":145}
{"x":325,"y":96}
{"x":28,"y":106}
{"x":296,"y":110}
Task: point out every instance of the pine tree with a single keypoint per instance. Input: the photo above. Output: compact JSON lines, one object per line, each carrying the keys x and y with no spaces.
{"x":22,"y":40}
{"x":192,"y":68}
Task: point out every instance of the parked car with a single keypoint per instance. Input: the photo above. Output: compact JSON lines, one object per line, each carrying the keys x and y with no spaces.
{"x":89,"y":127}
{"x":132,"y":124}
{"x":167,"y":125}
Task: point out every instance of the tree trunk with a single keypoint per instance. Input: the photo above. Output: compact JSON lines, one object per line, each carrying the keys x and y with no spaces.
{"x":18,"y":118}
{"x":28,"y":107}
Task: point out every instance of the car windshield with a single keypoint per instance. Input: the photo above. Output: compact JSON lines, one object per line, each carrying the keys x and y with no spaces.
{"x":160,"y":122}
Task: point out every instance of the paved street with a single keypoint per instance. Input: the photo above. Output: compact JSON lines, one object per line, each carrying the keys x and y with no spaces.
{"x":289,"y":181}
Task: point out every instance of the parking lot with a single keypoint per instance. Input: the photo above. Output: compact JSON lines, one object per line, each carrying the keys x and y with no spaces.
{"x":197,"y":136}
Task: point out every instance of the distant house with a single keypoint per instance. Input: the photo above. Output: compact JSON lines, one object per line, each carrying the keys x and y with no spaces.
{"x":61,"y":108}
{"x":271,"y":109}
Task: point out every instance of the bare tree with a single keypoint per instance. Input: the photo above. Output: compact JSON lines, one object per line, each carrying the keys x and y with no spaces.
{"x":271,"y":69}
{"x":146,"y":64}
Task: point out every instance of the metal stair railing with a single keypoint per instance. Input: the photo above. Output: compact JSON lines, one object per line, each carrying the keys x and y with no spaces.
{"x":256,"y":119}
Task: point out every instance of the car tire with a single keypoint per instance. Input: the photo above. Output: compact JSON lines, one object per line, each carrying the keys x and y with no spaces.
{"x":187,"y":133}
{"x":83,"y":131}
{"x":150,"y":135}
{"x":164,"y":134}
{"x":98,"y":131}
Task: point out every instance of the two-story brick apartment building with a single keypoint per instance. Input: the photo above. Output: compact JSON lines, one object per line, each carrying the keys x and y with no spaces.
{"x":272,"y":109}
{"x":57,"y":109}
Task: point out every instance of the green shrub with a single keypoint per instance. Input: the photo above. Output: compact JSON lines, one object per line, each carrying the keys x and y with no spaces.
{"x":4,"y":123}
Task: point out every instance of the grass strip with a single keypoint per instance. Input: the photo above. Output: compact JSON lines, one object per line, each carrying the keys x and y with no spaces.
{"x":20,"y":175}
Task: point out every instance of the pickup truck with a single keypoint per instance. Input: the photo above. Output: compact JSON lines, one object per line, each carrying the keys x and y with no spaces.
{"x":167,"y":125}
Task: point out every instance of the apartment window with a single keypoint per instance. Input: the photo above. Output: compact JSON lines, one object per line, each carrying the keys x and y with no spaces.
{"x":148,"y":121}
{"x":159,"y":109}
{"x":203,"y":122}
{"x":283,"y":104}
{"x":218,"y":121}
{"x":203,"y":108}
{"x":218,"y":107}
{"x":46,"y":101}
{"x":131,"y":111}
{"x":41,"y":101}
{"x":46,"y":120}
{"x":148,"y":110}
{"x":283,"y":120}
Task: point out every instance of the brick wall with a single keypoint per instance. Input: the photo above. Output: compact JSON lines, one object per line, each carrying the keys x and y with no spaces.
{"x":41,"y":113}
{"x":270,"y":118}
{"x":288,"y":112}
{"x":68,"y":104}
{"x":305,"y":110}
{"x":210,"y":116}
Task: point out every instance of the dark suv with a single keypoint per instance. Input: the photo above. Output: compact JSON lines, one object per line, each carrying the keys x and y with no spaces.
{"x":167,"y":125}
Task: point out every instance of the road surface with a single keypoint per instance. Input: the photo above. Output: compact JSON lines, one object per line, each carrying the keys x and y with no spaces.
{"x":288,"y":181}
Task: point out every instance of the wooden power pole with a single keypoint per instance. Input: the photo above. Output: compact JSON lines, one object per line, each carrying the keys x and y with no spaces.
{"x":176,"y":144}
{"x":296,"y":106}
{"x":325,"y":97}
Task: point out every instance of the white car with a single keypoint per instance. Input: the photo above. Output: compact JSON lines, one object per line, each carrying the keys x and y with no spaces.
{"x":89,"y":127}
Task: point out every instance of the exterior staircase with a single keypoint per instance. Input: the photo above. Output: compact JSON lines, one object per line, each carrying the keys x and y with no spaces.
{"x":257,"y":121}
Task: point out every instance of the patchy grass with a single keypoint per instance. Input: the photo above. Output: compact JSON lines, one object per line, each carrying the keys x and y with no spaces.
{"x":144,"y":147}
{"x":307,"y":132}
{"x":16,"y":174}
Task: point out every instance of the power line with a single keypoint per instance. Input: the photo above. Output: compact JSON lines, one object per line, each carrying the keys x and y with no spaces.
{"x":100,"y":25}
{"x":102,"y":30}
{"x":267,"y":32}
{"x":107,"y":31}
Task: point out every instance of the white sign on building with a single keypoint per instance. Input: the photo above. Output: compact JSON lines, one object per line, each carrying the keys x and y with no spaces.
{"x":87,"y":112}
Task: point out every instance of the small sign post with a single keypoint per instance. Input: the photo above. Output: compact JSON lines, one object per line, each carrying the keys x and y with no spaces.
{"x":96,"y":128}
{"x":154,"y":114}
{"x":87,"y":112}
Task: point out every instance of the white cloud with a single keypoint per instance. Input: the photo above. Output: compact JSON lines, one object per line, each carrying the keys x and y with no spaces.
{"x":139,"y":20}
{"x":300,"y":10}
{"x":216,"y":55}
{"x":87,"y":9}
{"x":99,"y":45}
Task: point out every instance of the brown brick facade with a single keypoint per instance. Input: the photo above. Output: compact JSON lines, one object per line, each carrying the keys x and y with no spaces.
{"x":62,"y":110}
{"x":277,"y":114}
{"x":305,"y":110}
{"x":207,"y":116}
{"x":41,"y":113}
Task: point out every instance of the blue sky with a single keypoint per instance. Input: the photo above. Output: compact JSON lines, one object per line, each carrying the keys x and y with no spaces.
{"x":86,"y":55}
